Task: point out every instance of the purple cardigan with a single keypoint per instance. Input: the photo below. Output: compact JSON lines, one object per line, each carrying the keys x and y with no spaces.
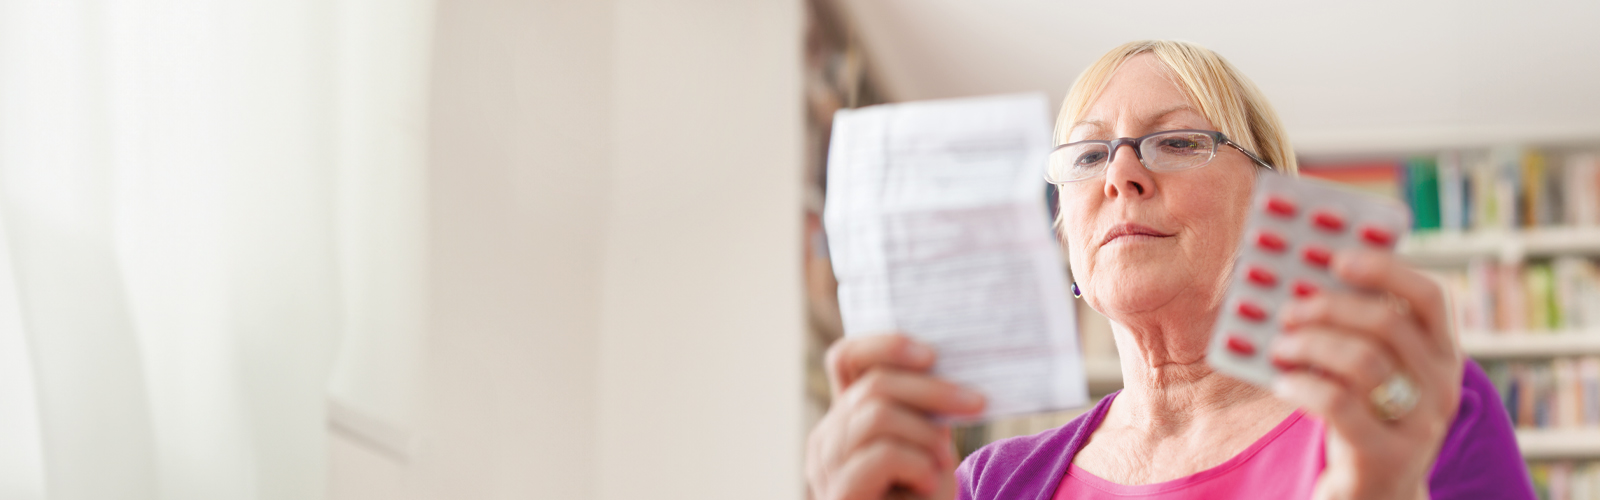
{"x":1479,"y":457}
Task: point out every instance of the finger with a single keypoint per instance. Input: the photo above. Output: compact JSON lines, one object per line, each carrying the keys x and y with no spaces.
{"x":1358,"y":362}
{"x":880,"y":419}
{"x":827,"y":445}
{"x":882,"y":465}
{"x":920,"y":392}
{"x":1377,"y":270}
{"x":849,"y":358}
{"x":1364,"y":315}
{"x":1344,"y":410}
{"x":816,"y":460}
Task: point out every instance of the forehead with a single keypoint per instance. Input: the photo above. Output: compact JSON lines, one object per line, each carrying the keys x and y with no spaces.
{"x":1142,"y":96}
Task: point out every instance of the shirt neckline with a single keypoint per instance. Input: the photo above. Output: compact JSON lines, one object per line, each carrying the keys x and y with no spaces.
{"x":1107,"y":486}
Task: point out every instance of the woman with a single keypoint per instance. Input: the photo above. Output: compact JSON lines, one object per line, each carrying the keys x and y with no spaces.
{"x":1152,"y":245}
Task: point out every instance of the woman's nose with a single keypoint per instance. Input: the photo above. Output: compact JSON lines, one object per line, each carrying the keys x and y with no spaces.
{"x":1125,"y":176}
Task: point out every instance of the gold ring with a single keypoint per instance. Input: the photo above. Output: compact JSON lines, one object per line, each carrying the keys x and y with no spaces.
{"x":1394,"y":397}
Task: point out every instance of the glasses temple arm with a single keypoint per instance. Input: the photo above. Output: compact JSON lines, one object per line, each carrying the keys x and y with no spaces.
{"x":1252,"y":156}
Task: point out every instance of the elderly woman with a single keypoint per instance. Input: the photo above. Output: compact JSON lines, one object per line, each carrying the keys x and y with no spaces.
{"x":1152,"y":242}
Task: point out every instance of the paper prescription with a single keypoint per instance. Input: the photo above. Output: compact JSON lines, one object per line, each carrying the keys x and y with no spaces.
{"x":937,"y":228}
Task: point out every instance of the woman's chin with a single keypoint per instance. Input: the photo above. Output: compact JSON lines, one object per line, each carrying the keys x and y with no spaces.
{"x":1140,"y":287}
{"x":1134,"y":299}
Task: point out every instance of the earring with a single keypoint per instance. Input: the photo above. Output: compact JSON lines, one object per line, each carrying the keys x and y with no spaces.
{"x":1076,"y":293}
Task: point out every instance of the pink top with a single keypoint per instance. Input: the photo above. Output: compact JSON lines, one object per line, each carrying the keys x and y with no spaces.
{"x":1478,"y":459}
{"x":1284,"y":463}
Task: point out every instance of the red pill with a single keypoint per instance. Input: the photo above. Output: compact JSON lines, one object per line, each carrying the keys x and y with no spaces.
{"x":1271,"y":241}
{"x":1280,"y":207}
{"x":1261,"y":276}
{"x":1318,"y":256}
{"x":1252,"y":312}
{"x":1240,"y":345}
{"x":1377,"y":236}
{"x":1327,"y":221}
{"x":1304,"y":289}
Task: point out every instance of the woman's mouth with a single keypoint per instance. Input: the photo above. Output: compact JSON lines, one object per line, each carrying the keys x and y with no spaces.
{"x":1131,"y":231}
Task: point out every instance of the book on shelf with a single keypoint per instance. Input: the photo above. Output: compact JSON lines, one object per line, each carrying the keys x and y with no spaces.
{"x":1556,"y":393}
{"x":1566,"y":479}
{"x":1377,"y":177}
{"x":1562,"y":293}
{"x":1501,"y":188}
{"x":1421,"y":181}
{"x":1453,"y":195}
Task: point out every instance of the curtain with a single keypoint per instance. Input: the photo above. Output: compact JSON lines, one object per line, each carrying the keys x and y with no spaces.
{"x":211,"y":227}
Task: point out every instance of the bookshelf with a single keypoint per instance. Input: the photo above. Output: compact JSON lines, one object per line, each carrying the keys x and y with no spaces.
{"x":1555,"y":444}
{"x":1513,"y":345}
{"x":1513,"y":234}
{"x":1454,"y":247}
{"x":837,"y":75}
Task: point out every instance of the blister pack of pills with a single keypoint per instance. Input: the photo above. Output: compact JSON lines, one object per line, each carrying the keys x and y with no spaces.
{"x":1295,"y":228}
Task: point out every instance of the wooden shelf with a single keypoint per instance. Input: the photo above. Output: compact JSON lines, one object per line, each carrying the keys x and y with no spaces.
{"x":1546,"y":444}
{"x":1449,"y":247}
{"x":1530,"y":345}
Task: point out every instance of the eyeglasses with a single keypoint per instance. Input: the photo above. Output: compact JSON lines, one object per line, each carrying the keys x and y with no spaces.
{"x":1161,"y":152}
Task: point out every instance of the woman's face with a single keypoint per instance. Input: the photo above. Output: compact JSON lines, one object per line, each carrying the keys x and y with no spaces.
{"x":1144,"y":241}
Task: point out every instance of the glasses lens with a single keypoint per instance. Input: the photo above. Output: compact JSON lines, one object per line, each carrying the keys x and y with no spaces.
{"x":1178,"y":150}
{"x":1076,"y":162}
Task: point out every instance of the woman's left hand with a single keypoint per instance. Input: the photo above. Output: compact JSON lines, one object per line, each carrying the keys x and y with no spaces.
{"x":1340,"y":346}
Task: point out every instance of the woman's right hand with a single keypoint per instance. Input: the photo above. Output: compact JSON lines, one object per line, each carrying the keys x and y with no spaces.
{"x":880,"y":437}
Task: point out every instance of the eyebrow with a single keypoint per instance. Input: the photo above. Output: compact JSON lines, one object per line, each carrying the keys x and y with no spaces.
{"x":1156,"y":119}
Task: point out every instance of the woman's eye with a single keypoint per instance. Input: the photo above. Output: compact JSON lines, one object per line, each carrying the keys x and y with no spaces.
{"x":1180,"y":144}
{"x":1090,"y":158}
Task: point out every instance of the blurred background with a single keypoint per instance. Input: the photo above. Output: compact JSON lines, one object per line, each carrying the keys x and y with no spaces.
{"x":571,"y":249}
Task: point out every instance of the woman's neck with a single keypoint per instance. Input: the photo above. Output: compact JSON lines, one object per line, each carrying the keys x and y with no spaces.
{"x":1170,"y":390}
{"x":1175,"y":416}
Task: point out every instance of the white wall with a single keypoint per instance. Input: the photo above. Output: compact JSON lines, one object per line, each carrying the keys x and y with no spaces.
{"x":1354,"y":76}
{"x":517,"y":202}
{"x":615,"y":221}
{"x":700,"y":382}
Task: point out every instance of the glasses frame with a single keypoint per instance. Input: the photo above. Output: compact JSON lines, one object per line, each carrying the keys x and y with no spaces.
{"x":1218,"y":138}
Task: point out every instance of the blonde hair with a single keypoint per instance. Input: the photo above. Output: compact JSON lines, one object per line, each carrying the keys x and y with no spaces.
{"x":1232,"y":103}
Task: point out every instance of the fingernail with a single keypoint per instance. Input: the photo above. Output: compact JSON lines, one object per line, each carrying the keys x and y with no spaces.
{"x":968,"y":398}
{"x":1281,"y":387}
{"x":1281,"y":364}
{"x":1291,"y":314}
{"x":917,"y":353}
{"x":1279,"y":346}
{"x":1285,"y":344}
{"x":1359,"y":261}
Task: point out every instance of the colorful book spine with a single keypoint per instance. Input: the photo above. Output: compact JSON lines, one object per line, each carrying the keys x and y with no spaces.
{"x":1452,"y":192}
{"x":1558,"y":294}
{"x":1556,"y":393}
{"x":1581,"y":180}
{"x":1422,"y":192}
{"x":1509,"y":192}
{"x":1496,"y":189}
